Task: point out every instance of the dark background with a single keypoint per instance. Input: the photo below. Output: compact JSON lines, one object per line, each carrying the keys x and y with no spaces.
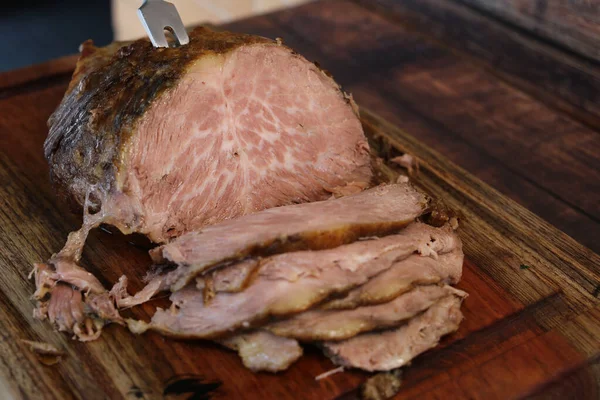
{"x":33,"y":31}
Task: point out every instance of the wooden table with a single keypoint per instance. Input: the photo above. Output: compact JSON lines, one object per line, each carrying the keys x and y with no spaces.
{"x":496,"y":90}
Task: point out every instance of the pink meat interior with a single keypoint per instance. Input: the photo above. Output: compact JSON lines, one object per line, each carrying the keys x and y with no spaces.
{"x":255,"y":128}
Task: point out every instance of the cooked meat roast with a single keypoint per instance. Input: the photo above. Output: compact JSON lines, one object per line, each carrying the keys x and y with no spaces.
{"x":380,"y":350}
{"x":318,"y":225}
{"x":248,"y":166}
{"x":234,"y":278}
{"x":173,"y":139}
{"x":292,"y":282}
{"x":343,"y":324}
{"x":383,"y":351}
{"x":402,"y":277}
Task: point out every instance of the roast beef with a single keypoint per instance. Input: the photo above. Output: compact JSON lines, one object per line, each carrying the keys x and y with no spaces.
{"x":383,"y":351}
{"x":65,"y":308}
{"x":320,"y":325}
{"x":65,"y":311}
{"x":249,"y":165}
{"x":317,"y":225}
{"x":402,"y":277}
{"x":312,"y":225}
{"x":169,"y":140}
{"x":293,"y":282}
{"x":263,"y":351}
{"x":232,"y":278}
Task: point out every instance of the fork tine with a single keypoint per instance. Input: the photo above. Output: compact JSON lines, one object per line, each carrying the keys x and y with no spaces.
{"x":156,"y":15}
{"x":156,"y":35}
{"x":181,"y":34}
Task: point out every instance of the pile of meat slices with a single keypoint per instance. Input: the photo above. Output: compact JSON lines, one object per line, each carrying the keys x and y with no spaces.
{"x":249,"y":166}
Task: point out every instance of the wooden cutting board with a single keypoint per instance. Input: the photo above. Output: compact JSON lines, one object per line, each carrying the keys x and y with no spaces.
{"x":532,"y":324}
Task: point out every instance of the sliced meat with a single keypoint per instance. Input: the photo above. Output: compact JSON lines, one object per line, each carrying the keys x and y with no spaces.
{"x":231,"y":278}
{"x":62,"y":303}
{"x":63,"y":266}
{"x":402,"y":277}
{"x":63,"y":270}
{"x":228,"y":278}
{"x":290,"y":283}
{"x":343,"y":324}
{"x":263,"y":351}
{"x":69,"y":296}
{"x":124,"y":300}
{"x":384,"y":351}
{"x":170,"y":140}
{"x":65,"y":309}
{"x":317,"y":225}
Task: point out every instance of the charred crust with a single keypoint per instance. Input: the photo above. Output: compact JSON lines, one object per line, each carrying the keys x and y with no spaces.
{"x":323,"y":70}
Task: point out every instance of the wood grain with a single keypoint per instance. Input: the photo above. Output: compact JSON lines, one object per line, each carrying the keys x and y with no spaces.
{"x":572,"y":24}
{"x":528,"y":331}
{"x":561,"y":80}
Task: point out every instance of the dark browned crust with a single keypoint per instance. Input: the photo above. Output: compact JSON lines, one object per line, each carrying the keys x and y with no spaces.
{"x":439,"y":214}
{"x":111,"y":88}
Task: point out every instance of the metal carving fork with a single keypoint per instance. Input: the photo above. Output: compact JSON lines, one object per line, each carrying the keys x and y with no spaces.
{"x":158,"y":15}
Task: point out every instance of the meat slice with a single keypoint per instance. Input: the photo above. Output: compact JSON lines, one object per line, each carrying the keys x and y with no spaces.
{"x":230,"y":278}
{"x":170,"y":140}
{"x":65,"y":310}
{"x":61,"y":299}
{"x":384,"y":351}
{"x":402,"y":277}
{"x":317,"y":225}
{"x":263,"y":351}
{"x":343,"y":324}
{"x":292,"y":282}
